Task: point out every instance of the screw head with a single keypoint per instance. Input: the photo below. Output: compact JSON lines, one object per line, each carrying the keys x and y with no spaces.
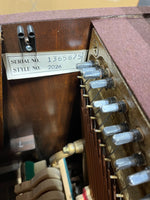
{"x":28,"y":48}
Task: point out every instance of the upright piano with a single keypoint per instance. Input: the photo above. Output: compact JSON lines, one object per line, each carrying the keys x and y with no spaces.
{"x":74,"y":92}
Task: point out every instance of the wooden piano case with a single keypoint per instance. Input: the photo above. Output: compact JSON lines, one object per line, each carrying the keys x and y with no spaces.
{"x":53,"y":109}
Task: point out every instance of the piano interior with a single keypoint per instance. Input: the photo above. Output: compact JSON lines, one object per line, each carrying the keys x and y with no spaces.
{"x":83,"y":133}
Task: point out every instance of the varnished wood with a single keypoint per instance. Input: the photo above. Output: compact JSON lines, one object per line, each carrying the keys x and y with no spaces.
{"x":43,"y":107}
{"x":47,"y":107}
{"x":55,"y":35}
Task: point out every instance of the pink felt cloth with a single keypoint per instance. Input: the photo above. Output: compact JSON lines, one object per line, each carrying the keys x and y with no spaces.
{"x":128,"y":42}
{"x":76,"y":13}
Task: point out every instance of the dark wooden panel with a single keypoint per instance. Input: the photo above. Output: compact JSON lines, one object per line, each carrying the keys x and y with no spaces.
{"x":43,"y":107}
{"x":47,"y":107}
{"x":51,"y":35}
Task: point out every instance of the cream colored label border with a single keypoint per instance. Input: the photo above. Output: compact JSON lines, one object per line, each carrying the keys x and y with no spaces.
{"x":31,"y":65}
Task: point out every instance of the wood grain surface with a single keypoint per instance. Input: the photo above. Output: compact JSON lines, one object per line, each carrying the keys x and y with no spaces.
{"x":47,"y":107}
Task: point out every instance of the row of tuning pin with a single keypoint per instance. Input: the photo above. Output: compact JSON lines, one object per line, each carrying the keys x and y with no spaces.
{"x":91,"y":71}
{"x":120,"y":133}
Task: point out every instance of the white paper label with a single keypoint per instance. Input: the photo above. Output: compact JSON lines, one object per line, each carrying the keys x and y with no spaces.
{"x":30,"y":65}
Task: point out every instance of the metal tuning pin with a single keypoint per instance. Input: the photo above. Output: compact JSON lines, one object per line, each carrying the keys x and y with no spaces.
{"x":104,"y":83}
{"x":20,"y":34}
{"x":114,"y":107}
{"x":97,"y":73}
{"x":127,"y":137}
{"x":87,"y":64}
{"x":136,"y":159}
{"x":91,"y":70}
{"x":139,"y":178}
{"x":111,"y":130}
{"x":31,"y":36}
{"x":100,"y":103}
{"x":88,"y":70}
{"x":93,"y":74}
{"x":147,"y":197}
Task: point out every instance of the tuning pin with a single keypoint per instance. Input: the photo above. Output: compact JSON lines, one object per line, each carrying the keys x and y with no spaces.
{"x":127,"y":137}
{"x":111,"y":130}
{"x":114,"y":107}
{"x":104,"y":83}
{"x":87,"y":64}
{"x":97,"y":73}
{"x":100,"y":103}
{"x":131,"y":161}
{"x":147,"y":197}
{"x":93,"y":74}
{"x":139,"y":178}
{"x":88,"y":70}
